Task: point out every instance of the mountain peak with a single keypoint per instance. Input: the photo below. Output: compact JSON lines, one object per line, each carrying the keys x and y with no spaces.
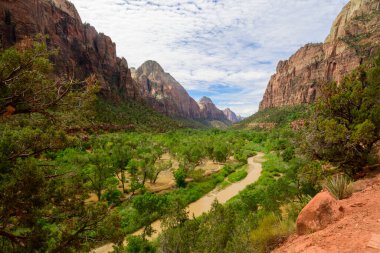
{"x":205,"y":100}
{"x":231,"y":116}
{"x":151,"y":66}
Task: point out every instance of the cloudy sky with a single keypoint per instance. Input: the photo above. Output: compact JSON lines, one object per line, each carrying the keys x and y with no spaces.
{"x":224,"y":49}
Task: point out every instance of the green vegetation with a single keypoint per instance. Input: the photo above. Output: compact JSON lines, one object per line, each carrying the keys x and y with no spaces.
{"x":346,"y":120}
{"x":339,"y":186}
{"x":133,"y":116}
{"x":270,"y":232}
{"x":41,"y":205}
{"x":238,"y":175}
{"x":279,"y":117}
{"x":72,"y":178}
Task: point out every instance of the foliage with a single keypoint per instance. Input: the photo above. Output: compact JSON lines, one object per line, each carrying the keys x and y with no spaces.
{"x":340,"y":186}
{"x":136,"y":244}
{"x":180,"y":176}
{"x":346,"y":120}
{"x":238,"y":175}
{"x":280,"y":116}
{"x":42,"y":205}
{"x":270,"y":232}
{"x":133,"y":116}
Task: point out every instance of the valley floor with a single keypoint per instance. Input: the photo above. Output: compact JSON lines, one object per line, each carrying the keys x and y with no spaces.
{"x":204,"y":204}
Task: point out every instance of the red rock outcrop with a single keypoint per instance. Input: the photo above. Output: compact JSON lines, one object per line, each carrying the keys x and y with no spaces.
{"x":356,"y":231}
{"x":82,"y":50}
{"x":354,"y":36}
{"x":322,"y":210}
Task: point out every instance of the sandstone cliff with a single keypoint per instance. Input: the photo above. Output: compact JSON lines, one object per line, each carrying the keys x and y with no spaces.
{"x":82,"y":50}
{"x":168,"y":96}
{"x":231,"y":116}
{"x":163,"y":92}
{"x":209,"y":110}
{"x":354,"y":36}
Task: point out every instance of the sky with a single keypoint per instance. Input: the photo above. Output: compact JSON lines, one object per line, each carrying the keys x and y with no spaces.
{"x":224,"y":49}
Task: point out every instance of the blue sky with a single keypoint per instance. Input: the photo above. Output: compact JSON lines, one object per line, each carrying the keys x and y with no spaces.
{"x":224,"y":49}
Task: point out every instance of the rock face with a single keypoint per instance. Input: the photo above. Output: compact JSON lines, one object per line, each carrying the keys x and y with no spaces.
{"x":322,"y":210}
{"x":82,"y":50}
{"x":231,"y":116}
{"x":209,"y":110}
{"x":354,"y":36}
{"x":167,"y":96}
{"x":163,"y":92}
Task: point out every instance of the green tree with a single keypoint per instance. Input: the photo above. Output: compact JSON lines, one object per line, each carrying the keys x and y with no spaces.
{"x":98,"y":172}
{"x":180,"y":177}
{"x":120,"y":156}
{"x":157,"y":168}
{"x":346,"y":120}
{"x":42,"y":205}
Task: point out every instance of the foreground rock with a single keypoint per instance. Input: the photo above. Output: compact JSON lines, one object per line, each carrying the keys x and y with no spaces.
{"x":322,"y":210}
{"x":354,"y":37}
{"x":358,"y":230}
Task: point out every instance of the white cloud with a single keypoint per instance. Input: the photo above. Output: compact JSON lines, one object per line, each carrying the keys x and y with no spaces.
{"x":236,"y":43}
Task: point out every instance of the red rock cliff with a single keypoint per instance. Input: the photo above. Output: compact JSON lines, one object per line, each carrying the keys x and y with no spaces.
{"x":168,"y":96}
{"x":354,"y":36}
{"x":82,"y":50}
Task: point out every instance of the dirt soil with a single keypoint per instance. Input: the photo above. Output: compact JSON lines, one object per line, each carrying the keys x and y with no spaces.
{"x":356,"y":232}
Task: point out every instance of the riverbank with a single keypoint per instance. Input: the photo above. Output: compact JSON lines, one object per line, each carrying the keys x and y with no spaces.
{"x":203,"y":205}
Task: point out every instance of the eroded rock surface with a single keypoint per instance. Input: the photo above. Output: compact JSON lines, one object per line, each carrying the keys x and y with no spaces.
{"x":82,"y":50}
{"x":354,"y":36}
{"x":231,"y":116}
{"x":322,"y":210}
{"x":168,"y":96}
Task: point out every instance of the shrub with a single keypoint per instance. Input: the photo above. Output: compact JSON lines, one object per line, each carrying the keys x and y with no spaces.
{"x":237,"y":175}
{"x":180,"y":177}
{"x":271,"y":232}
{"x":339,"y":186}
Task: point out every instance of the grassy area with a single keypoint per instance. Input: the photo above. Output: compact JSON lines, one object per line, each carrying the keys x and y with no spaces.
{"x":238,"y":175}
{"x":139,"y":116}
{"x":279,"y":116}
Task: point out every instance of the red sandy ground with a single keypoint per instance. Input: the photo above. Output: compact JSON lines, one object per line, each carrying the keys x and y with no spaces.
{"x":353,"y":232}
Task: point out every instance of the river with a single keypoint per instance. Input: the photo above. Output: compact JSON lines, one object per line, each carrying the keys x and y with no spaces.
{"x":203,"y":205}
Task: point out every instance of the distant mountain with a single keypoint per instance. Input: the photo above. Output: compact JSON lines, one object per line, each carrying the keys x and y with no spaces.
{"x":354,"y":37}
{"x":166,"y":95}
{"x":209,"y":110}
{"x":231,"y":116}
{"x":83,"y":52}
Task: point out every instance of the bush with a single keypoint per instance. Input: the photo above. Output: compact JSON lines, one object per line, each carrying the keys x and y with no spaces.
{"x":180,"y":176}
{"x":271,"y":232}
{"x":339,"y":186}
{"x":136,"y":244}
{"x":237,"y":175}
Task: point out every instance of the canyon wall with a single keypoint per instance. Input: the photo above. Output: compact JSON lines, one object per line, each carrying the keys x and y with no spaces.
{"x":354,"y":37}
{"x":82,"y":50}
